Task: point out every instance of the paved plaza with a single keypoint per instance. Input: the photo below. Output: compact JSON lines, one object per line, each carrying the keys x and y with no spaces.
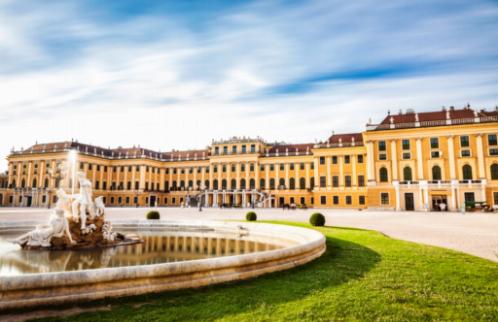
{"x":473,"y":233}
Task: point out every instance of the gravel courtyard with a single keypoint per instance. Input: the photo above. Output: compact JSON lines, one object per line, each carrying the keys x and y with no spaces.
{"x":473,"y":233}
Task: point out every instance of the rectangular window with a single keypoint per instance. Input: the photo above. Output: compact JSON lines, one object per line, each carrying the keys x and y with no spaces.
{"x":292,"y":166}
{"x":301,"y":166}
{"x":493,"y":151}
{"x":251,"y":167}
{"x":347,"y":159}
{"x":361,"y":200}
{"x":384,"y":198}
{"x":323,"y":200}
{"x":334,"y":160}
{"x":435,"y":154}
{"x":244,"y":149}
{"x":495,"y":198}
{"x":361,"y":181}
{"x":347,"y":181}
{"x":322,"y":160}
{"x":242,"y":167}
{"x":464,"y":141}
{"x":215,"y":169}
{"x":382,"y":145}
{"x":336,"y":200}
{"x":434,"y":143}
{"x":382,"y":156}
{"x":406,"y":155}
{"x":282,"y":167}
{"x":360,"y":158}
{"x":272,"y":167}
{"x":349,"y":200}
{"x":405,"y":144}
{"x":216,"y":150}
{"x":225,"y":150}
{"x":465,"y":153}
{"x":253,"y":148}
{"x":312,"y":165}
{"x":323,"y":181}
{"x":224,"y":168}
{"x":234,"y":149}
{"x":335,"y":181}
{"x":492,"y":139}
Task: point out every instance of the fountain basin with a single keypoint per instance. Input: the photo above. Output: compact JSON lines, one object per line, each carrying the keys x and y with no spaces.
{"x":267,"y":248}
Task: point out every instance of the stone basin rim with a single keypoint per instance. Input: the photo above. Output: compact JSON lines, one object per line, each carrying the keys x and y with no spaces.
{"x":308,"y":240}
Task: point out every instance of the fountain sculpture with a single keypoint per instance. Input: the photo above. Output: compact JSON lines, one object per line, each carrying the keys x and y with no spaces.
{"x":77,"y":221}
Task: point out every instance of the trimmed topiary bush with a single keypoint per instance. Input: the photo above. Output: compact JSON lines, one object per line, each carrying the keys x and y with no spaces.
{"x":153,"y":214}
{"x":251,"y":216}
{"x":317,"y":219}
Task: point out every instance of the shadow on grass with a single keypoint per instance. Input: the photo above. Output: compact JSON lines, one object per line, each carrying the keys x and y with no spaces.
{"x":342,"y":262}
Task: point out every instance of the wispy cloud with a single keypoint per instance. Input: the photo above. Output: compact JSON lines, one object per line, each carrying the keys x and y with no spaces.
{"x":174,"y":74}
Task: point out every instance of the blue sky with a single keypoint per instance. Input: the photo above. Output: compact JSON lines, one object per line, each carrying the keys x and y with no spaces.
{"x":175,"y":74}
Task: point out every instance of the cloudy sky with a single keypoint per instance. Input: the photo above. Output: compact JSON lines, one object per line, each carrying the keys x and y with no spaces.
{"x":175,"y":74}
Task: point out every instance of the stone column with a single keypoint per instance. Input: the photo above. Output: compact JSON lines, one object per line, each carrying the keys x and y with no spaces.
{"x":237,"y":173}
{"x":329,"y":172}
{"x":341,"y":171}
{"x":420,"y":161}
{"x":394,"y":161}
{"x":354,"y":179}
{"x":370,"y":163}
{"x":142,"y":177}
{"x":287,"y":175}
{"x":480,"y":157}
{"x":267,"y":176}
{"x":315,"y":173}
{"x":307,"y":170}
{"x":451,"y":157}
{"x":397,"y":195}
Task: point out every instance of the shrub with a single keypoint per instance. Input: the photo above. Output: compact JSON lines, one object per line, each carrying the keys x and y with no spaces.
{"x":153,"y":214}
{"x":251,"y":216}
{"x":317,"y":219}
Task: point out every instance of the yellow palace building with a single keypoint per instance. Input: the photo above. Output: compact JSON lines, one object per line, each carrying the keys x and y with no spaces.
{"x":441,"y":160}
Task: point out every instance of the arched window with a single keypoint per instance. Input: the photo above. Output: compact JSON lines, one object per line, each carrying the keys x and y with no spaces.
{"x":467,"y":172}
{"x":233,"y":184}
{"x":34,"y":183}
{"x":383,"y":174}
{"x":243,"y":184}
{"x":312,"y":182}
{"x":252,"y":184}
{"x":281,"y":183}
{"x":262,"y":184}
{"x":436,"y":173}
{"x":46,"y":183}
{"x":13,"y":183}
{"x":302,"y":183}
{"x":272,"y":183}
{"x":224,"y":184}
{"x":494,"y":171}
{"x":407,"y":174}
{"x":182,"y":184}
{"x":190,"y":184}
{"x":206,"y":184}
{"x":215,"y":184}
{"x":23,"y":183}
{"x":292,"y":183}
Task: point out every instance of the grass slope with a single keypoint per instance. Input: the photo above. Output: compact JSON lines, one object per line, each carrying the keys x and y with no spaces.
{"x":362,"y":276}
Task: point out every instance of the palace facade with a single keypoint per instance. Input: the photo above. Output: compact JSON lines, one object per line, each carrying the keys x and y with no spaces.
{"x":410,"y":161}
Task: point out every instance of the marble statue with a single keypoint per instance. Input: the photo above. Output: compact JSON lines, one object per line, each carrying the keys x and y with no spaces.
{"x":57,"y":226}
{"x":77,"y":221}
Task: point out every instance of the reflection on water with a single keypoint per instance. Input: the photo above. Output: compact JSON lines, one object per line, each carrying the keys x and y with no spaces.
{"x":156,"y":248}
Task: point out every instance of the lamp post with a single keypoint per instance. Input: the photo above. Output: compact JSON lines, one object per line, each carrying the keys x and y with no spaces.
{"x":72,"y":159}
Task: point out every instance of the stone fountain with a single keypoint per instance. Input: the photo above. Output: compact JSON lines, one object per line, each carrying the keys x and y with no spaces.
{"x":77,"y":221}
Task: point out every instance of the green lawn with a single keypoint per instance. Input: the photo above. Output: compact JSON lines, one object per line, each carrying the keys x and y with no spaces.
{"x":362,"y":276}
